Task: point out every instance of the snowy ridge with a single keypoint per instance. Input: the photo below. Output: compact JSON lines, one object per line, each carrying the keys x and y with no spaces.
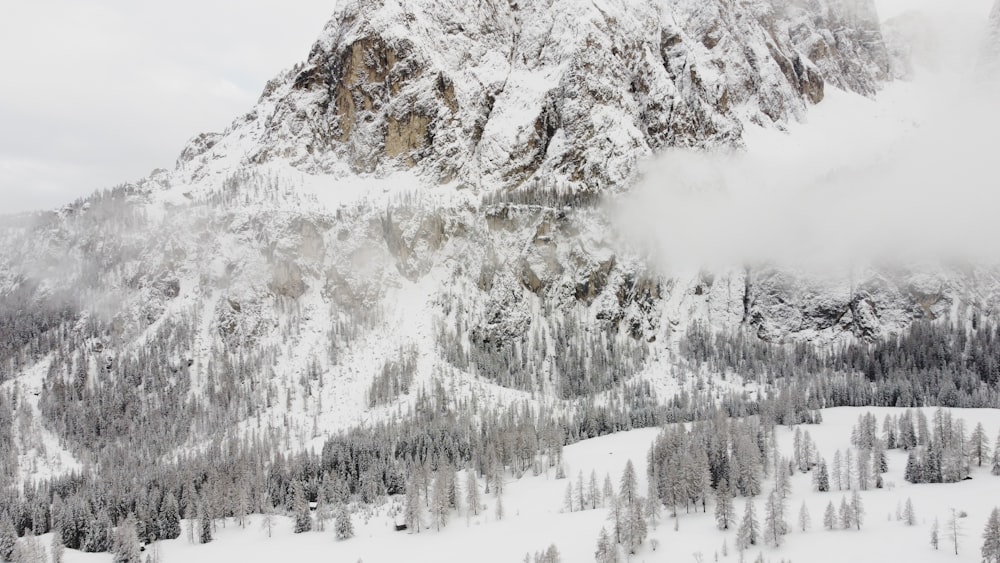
{"x":492,"y":94}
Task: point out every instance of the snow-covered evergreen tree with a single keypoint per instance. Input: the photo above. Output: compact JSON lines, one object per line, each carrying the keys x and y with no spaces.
{"x":300,"y":508}
{"x":498,"y":509}
{"x":935,"y":539}
{"x":909,"y":515}
{"x":996,"y":456}
{"x":594,"y":491}
{"x":57,"y":548}
{"x":628,"y":492}
{"x":267,"y":522}
{"x":472,"y":497}
{"x":412,"y":511}
{"x":857,"y":510}
{"x":821,"y":477}
{"x":98,"y":537}
{"x":126,"y":542}
{"x":991,"y":538}
{"x":170,"y":518}
{"x":608,"y":490}
{"x":343,"y":527}
{"x":724,"y":515}
{"x":954,"y":528}
{"x":8,"y":537}
{"x":830,"y":517}
{"x":804,"y":520}
{"x":652,"y":500}
{"x":29,"y":549}
{"x":836,"y":471}
{"x":774,"y":519}
{"x":204,"y":525}
{"x":845,"y":514}
{"x":440,"y":507}
{"x":618,"y":515}
{"x":606,"y":551}
{"x":748,"y":533}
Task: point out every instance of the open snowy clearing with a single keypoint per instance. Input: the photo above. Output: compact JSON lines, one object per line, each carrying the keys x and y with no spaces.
{"x":535,"y":517}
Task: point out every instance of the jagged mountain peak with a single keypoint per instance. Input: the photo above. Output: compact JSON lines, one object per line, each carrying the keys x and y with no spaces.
{"x":497,"y":94}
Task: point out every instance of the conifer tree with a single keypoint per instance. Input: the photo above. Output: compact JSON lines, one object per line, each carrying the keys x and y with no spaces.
{"x":126,"y":542}
{"x":629,"y":490}
{"x":8,"y":538}
{"x":300,"y":508}
{"x":996,"y":456}
{"x":830,"y":516}
{"x":724,"y":515}
{"x":58,"y":549}
{"x":439,"y":502}
{"x":617,"y":514}
{"x":267,"y":522}
{"x":412,"y":512}
{"x":609,"y":490}
{"x":845,"y":514}
{"x":857,"y":510}
{"x":594,"y":492}
{"x":636,"y":526}
{"x":606,"y":550}
{"x":804,"y":519}
{"x":652,"y":501}
{"x":498,"y":509}
{"x":991,"y":538}
{"x":774,"y":522}
{"x":98,"y":537}
{"x":748,"y":533}
{"x":472,"y":498}
{"x":242,"y":509}
{"x":954,"y":529}
{"x":170,"y":518}
{"x":29,"y":550}
{"x":909,"y":515}
{"x":836,"y":472}
{"x":934,"y":533}
{"x":821,"y":477}
{"x":343,"y":526}
{"x":204,"y":524}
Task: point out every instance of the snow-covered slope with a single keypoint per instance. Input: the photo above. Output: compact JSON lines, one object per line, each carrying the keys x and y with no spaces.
{"x":535,"y":517}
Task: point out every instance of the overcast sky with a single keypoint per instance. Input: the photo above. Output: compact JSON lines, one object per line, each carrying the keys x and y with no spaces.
{"x":99,"y":92}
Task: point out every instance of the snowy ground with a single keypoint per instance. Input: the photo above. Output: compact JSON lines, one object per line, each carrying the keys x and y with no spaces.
{"x":535,"y":517}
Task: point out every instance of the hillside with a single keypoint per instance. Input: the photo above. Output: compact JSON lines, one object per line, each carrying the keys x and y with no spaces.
{"x":465,"y":235}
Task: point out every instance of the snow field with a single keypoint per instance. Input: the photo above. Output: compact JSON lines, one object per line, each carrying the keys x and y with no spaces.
{"x":535,"y":517}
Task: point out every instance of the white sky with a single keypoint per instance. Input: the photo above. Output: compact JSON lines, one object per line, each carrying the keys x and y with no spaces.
{"x":100,"y":92}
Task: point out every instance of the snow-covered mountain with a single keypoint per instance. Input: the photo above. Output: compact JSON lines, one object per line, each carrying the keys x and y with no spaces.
{"x":419,"y":203}
{"x":497,"y":94}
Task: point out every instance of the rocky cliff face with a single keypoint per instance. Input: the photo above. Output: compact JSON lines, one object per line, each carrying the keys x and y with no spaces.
{"x":498,"y":93}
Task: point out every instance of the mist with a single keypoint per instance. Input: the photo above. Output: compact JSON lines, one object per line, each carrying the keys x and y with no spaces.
{"x":908,"y":176}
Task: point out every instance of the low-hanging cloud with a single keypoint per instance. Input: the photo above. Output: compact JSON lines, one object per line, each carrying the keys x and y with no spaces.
{"x":911,"y":175}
